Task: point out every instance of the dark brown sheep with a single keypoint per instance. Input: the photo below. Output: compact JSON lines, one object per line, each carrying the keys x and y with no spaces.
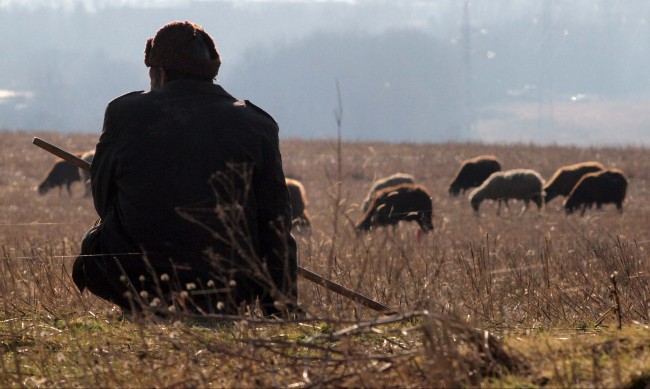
{"x":390,"y":205}
{"x":299,"y":215}
{"x":473,"y":172}
{"x":392,"y":180}
{"x":62,"y":173}
{"x":566,"y":177}
{"x":607,"y":186}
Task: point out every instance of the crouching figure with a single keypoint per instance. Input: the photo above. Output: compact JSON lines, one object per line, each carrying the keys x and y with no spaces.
{"x":189,"y":186}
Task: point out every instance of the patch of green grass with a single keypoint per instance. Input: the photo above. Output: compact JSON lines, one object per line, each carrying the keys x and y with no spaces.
{"x":606,"y":358}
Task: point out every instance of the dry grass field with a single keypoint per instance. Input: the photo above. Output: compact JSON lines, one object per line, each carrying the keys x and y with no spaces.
{"x":515,"y":301}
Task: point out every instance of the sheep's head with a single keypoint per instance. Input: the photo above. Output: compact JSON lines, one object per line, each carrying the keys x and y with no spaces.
{"x":476,"y":202}
{"x":425,"y":222}
{"x":454,"y":189}
{"x":363,"y":226}
{"x":569,"y":206}
{"x":44,"y":187}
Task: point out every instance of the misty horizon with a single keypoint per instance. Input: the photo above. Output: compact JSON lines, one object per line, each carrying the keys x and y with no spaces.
{"x":408,"y":71}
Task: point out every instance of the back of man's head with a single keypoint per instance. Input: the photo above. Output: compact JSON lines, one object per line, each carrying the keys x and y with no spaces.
{"x":183,"y":49}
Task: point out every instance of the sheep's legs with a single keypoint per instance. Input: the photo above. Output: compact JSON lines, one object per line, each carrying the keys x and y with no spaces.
{"x":524,"y":208}
{"x":419,"y":236}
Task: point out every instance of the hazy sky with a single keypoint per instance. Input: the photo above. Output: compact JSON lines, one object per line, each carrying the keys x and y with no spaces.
{"x":566,"y":71}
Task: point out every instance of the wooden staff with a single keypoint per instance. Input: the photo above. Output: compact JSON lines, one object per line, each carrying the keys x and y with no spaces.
{"x":306,"y":274}
{"x":59,"y":152}
{"x":343,"y":291}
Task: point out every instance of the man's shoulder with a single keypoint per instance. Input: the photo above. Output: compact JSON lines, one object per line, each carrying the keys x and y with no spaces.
{"x":127,"y":97}
{"x":255,"y":109}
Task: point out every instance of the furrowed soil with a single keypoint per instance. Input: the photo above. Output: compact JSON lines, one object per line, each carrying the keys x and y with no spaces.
{"x":485,"y":300}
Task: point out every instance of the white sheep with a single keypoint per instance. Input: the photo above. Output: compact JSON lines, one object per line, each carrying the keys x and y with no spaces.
{"x":521,"y":184}
{"x":85,"y":174}
{"x":298,"y":199}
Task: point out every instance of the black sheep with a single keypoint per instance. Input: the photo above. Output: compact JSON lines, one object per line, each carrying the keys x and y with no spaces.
{"x":473,"y":172}
{"x":392,"y":180}
{"x":566,"y":177}
{"x":62,"y":173}
{"x":406,"y":202}
{"x":607,"y":186}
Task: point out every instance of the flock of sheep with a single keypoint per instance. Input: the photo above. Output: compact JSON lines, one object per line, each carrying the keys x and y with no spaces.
{"x":583,"y":184}
{"x":398,"y":198}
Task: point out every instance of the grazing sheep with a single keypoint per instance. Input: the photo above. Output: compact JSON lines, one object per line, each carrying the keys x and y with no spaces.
{"x":521,"y":184}
{"x":473,"y":172}
{"x":85,"y":174}
{"x":566,"y":177}
{"x":392,"y":180}
{"x":298,"y":199}
{"x":407,"y":202}
{"x":62,"y":173}
{"x":607,"y":186}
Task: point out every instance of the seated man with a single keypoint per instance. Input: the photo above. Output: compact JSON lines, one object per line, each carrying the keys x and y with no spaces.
{"x":189,"y":186}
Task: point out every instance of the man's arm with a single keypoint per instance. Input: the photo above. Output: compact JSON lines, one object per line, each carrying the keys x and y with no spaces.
{"x":102,"y":168}
{"x":274,"y":220}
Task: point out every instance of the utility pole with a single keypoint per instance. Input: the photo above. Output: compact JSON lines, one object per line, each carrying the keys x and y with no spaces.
{"x":468,"y":117}
{"x":545,"y":109}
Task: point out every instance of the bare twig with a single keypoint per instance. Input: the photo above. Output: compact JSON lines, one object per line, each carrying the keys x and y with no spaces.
{"x":614,"y":290}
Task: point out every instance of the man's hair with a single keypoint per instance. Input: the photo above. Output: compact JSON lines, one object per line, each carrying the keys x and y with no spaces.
{"x":198,"y":48}
{"x":184,"y":50}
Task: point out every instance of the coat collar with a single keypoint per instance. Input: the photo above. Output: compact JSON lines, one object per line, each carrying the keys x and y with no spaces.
{"x":193,"y":86}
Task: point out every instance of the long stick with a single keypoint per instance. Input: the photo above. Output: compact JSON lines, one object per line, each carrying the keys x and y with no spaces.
{"x":306,"y":274}
{"x":345,"y":292}
{"x":59,"y":152}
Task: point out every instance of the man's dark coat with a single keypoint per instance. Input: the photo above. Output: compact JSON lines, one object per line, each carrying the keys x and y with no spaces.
{"x":192,"y":178}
